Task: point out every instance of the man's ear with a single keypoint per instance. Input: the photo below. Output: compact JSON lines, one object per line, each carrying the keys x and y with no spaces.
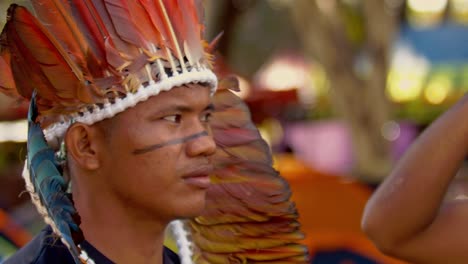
{"x":82,"y":143}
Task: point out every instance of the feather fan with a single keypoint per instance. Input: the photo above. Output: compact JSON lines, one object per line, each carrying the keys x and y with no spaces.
{"x":249,"y":216}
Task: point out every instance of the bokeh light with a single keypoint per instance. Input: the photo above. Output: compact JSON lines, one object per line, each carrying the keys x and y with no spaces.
{"x":438,"y":89}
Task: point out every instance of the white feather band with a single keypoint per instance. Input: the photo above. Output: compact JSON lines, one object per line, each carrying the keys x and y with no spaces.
{"x":184,"y":245}
{"x":55,"y":132}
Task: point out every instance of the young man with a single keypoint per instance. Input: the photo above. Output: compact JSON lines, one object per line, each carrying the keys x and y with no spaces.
{"x":120,"y":141}
{"x":130,"y":180}
{"x":408,"y":217}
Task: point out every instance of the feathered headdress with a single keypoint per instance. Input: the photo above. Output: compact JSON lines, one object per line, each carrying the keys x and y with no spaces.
{"x":89,"y":60}
{"x":84,"y":61}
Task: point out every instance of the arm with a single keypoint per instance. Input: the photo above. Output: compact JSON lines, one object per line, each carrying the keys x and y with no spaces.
{"x":405,"y":217}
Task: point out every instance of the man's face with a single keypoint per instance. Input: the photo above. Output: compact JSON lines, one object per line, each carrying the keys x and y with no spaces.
{"x":157,"y":160}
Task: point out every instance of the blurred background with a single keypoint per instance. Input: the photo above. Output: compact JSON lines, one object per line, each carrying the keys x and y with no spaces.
{"x":339,"y":89}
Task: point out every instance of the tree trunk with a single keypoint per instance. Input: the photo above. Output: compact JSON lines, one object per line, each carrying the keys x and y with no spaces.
{"x":358,"y":97}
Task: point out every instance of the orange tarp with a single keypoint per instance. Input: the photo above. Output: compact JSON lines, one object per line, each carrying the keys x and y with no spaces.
{"x":330,"y":209}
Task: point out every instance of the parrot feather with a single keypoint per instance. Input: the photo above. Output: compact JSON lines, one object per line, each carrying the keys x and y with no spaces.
{"x":50,"y":186}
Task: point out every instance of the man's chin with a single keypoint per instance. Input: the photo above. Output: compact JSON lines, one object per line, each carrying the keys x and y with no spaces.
{"x":194,"y":210}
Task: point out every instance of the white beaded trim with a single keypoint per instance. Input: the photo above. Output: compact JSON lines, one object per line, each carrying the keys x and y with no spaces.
{"x":55,"y":132}
{"x":184,"y":245}
{"x":85,"y":258}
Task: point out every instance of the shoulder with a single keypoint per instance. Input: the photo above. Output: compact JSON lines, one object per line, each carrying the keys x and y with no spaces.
{"x":44,"y":248}
{"x":170,"y":257}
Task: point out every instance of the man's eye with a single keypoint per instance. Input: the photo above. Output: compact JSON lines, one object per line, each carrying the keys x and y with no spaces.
{"x":206,"y":117}
{"x":173,"y":118}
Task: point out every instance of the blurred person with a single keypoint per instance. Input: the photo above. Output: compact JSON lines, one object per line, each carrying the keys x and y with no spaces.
{"x":127,"y":137}
{"x":408,"y":216}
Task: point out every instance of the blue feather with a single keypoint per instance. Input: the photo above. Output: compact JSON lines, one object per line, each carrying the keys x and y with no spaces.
{"x":50,"y":185}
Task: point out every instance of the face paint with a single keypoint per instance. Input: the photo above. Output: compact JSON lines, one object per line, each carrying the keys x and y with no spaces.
{"x":170,"y":142}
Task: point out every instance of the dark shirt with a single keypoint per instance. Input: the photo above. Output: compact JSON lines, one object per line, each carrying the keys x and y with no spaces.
{"x":45,"y":248}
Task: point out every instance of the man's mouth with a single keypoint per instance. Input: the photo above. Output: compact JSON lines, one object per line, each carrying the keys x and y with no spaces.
{"x":200,"y":177}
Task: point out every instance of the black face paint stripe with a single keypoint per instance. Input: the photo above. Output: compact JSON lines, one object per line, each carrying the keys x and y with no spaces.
{"x":169,"y":143}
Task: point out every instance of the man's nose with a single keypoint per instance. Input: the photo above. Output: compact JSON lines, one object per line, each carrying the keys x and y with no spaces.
{"x":203,"y":145}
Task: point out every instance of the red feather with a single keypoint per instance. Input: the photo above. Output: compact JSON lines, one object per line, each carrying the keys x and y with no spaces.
{"x":23,"y":63}
{"x":40,"y":58}
{"x":124,"y":24}
{"x":56,"y":17}
{"x":158,"y":12}
{"x":155,"y":16}
{"x":93,"y":26}
{"x":176,"y":19}
{"x":192,"y":27}
{"x":125,"y":48}
{"x":54,"y":14}
{"x":144,"y":23}
{"x":7,"y":81}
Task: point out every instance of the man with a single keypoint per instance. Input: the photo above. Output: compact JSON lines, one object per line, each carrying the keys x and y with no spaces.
{"x":168,"y":181}
{"x":121,"y":102}
{"x":408,"y":217}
